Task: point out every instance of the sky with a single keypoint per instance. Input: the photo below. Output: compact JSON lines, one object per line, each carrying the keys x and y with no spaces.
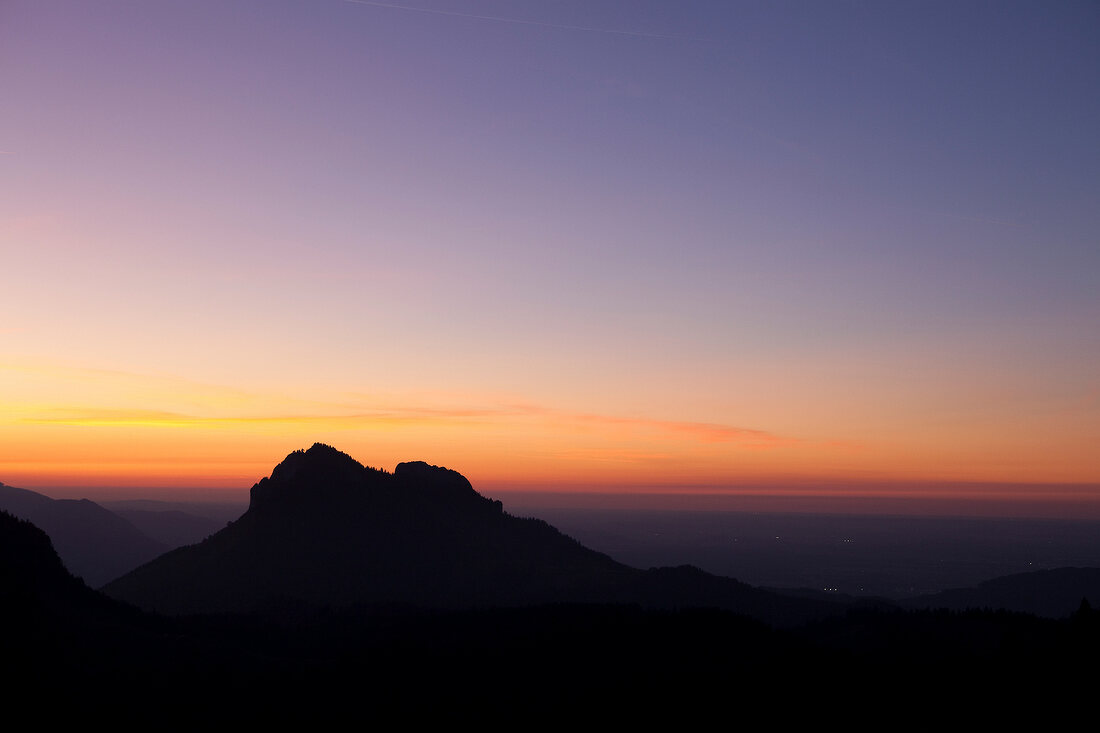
{"x":613,"y":245}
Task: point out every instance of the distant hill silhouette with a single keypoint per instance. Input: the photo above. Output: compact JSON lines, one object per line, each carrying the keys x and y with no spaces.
{"x":171,"y":527}
{"x":323,"y":530}
{"x":1051,"y":593}
{"x":94,"y":543}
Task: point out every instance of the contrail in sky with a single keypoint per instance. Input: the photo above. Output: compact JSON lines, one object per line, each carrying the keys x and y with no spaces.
{"x":519,"y":21}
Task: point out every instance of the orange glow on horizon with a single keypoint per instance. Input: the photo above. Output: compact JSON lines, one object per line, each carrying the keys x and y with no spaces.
{"x":168,"y":433}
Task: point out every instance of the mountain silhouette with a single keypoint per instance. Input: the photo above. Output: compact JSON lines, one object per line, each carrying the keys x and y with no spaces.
{"x":75,"y":653}
{"x":325,"y":531}
{"x":1051,"y":593}
{"x":94,"y":543}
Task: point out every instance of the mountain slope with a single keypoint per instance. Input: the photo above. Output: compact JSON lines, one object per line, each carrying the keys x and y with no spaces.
{"x":33,"y":577}
{"x":1051,"y":593}
{"x":95,"y":544}
{"x":324,"y":530}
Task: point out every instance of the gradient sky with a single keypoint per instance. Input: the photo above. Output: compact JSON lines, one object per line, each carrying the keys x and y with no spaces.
{"x":553,"y":245}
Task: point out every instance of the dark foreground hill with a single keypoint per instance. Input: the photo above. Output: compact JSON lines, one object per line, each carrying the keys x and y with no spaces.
{"x":70,"y":652}
{"x":325,"y":531}
{"x":72,"y":655}
{"x":94,"y":543}
{"x":34,"y":581}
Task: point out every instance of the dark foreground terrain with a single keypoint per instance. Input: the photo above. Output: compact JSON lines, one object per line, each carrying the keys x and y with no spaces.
{"x":76,"y":656}
{"x":685,"y":649}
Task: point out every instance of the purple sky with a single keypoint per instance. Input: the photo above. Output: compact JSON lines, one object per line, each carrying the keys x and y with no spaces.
{"x":870,"y":224}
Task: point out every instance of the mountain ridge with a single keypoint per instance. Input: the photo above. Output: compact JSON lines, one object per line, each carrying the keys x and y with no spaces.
{"x":93,"y":542}
{"x":324,"y":530}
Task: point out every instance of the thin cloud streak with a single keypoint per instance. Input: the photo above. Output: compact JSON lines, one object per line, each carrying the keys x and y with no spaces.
{"x":218,"y":406}
{"x":709,"y":432}
{"x":702,"y":432}
{"x":155,"y":418}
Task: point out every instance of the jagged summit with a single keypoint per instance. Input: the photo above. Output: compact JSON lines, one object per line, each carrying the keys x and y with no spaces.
{"x":440,"y":486}
{"x":318,"y":457}
{"x":322,"y":478}
{"x":317,"y":476}
{"x":324,"y":530}
{"x":421,"y":471}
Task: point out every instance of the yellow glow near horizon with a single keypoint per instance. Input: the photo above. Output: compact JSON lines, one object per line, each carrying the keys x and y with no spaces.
{"x":162,"y":431}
